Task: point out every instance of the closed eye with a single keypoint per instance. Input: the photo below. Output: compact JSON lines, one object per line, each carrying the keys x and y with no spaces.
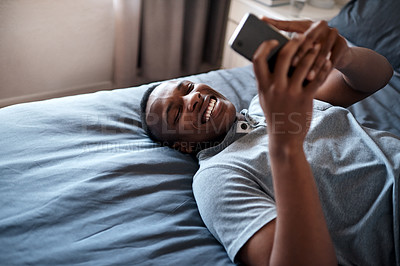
{"x":178,"y":115}
{"x":190,"y":88}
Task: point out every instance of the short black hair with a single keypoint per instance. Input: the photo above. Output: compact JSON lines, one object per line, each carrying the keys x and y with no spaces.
{"x":143,"y":106}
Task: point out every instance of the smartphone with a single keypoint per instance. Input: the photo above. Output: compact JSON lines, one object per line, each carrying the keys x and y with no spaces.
{"x":250,"y":33}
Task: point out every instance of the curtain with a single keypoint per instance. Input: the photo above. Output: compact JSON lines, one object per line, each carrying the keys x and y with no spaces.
{"x":163,"y":39}
{"x":127,"y":15}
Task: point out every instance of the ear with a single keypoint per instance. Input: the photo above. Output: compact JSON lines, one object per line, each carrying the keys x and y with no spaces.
{"x":184,"y":147}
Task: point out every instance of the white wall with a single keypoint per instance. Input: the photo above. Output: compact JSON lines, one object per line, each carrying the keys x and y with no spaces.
{"x":51,"y":48}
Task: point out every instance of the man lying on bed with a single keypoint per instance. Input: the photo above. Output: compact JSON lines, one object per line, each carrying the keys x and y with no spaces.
{"x":291,"y":191}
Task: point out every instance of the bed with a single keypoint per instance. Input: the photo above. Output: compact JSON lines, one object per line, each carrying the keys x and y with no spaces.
{"x":81,"y":183}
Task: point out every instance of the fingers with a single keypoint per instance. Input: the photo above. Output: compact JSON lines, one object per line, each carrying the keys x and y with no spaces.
{"x":260,"y":63}
{"x":309,"y":52}
{"x":339,"y":49}
{"x":323,"y":74}
{"x":326,"y":49}
{"x":303,"y":69}
{"x":317,"y":33}
{"x":285,"y":58}
{"x":320,"y":77}
{"x":299,"y":26}
{"x":306,"y":71}
{"x":333,"y":45}
{"x":283,"y":62}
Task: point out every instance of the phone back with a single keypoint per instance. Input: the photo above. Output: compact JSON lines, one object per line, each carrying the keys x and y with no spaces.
{"x":250,"y":33}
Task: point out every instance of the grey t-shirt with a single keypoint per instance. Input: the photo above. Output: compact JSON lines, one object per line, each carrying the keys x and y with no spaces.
{"x":356,"y":169}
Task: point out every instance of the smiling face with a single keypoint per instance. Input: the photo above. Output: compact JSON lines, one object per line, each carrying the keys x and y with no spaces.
{"x":182,"y":111}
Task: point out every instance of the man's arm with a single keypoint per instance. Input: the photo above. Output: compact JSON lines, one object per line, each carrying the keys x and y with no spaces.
{"x":358,"y":72}
{"x":299,"y":235}
{"x":365,"y":73}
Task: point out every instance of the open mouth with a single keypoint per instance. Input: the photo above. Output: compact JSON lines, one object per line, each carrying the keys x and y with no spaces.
{"x":208,"y":112}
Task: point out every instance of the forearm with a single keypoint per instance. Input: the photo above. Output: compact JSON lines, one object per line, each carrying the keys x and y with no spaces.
{"x":359,"y":73}
{"x":365,"y":70}
{"x":301,"y":235}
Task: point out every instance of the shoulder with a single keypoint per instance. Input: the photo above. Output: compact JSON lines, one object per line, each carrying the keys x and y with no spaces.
{"x":232,"y":205}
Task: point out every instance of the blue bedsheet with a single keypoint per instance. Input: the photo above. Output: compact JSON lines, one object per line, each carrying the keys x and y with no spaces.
{"x":382,"y":109}
{"x":80,"y":183}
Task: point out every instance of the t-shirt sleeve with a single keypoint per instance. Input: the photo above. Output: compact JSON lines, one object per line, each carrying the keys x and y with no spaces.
{"x":232,"y":205}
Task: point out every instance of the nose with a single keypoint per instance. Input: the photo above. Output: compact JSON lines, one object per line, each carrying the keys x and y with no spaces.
{"x":192,"y":100}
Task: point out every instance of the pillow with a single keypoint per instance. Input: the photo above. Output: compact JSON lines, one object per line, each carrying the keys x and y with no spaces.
{"x":374,"y":24}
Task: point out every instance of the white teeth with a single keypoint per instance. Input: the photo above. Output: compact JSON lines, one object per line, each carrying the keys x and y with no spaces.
{"x":209,"y":110}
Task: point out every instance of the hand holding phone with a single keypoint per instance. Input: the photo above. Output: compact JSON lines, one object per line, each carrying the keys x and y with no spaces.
{"x":250,"y":33}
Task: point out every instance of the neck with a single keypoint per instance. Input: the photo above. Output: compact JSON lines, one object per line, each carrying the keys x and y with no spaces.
{"x":218,"y":140}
